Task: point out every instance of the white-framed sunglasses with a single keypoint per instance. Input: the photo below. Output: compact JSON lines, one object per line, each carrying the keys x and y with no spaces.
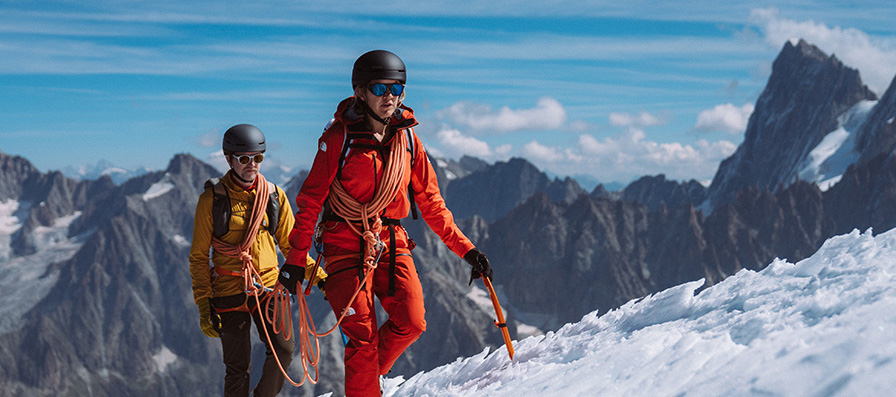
{"x":246,"y":158}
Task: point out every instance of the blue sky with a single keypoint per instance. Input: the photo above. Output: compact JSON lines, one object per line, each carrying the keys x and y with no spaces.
{"x":612,"y":90}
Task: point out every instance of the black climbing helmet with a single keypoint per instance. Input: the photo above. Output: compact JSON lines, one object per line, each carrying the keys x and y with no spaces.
{"x":243,"y":138}
{"x":378,"y":65}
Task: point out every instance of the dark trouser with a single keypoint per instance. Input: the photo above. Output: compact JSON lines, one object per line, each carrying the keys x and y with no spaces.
{"x":237,"y":347}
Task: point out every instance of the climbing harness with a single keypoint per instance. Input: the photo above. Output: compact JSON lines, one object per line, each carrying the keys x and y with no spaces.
{"x":371,"y":224}
{"x":274,"y":301}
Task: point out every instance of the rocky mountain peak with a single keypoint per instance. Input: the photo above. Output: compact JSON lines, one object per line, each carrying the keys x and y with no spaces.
{"x":806,"y":93}
{"x":656,"y":191}
{"x":14,"y":171}
{"x":878,"y":134}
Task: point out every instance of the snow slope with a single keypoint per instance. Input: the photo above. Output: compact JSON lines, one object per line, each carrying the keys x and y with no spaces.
{"x":825,"y":326}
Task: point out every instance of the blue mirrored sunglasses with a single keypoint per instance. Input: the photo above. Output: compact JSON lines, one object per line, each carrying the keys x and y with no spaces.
{"x":380,"y":89}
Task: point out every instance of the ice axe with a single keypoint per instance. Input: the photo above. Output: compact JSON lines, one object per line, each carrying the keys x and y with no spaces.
{"x":500,"y":323}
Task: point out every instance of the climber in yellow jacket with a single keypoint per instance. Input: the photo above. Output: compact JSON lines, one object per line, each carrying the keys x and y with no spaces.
{"x":225,"y":310}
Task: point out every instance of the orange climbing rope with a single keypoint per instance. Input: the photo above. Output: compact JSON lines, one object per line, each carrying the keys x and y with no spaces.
{"x":278,"y":298}
{"x":347,"y":207}
{"x":353,"y":211}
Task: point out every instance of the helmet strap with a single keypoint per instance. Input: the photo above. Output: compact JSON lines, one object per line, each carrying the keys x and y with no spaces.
{"x":369,"y":111}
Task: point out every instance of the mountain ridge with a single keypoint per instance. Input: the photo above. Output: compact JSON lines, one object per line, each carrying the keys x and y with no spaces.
{"x":119,"y":318}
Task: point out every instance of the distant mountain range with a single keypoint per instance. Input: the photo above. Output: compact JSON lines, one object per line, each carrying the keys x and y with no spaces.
{"x":97,"y":280}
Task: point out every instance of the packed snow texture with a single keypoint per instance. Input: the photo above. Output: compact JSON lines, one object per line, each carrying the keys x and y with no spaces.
{"x":824,"y":326}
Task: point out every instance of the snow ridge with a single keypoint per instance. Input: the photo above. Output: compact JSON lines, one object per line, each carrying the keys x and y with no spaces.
{"x":822,"y":326}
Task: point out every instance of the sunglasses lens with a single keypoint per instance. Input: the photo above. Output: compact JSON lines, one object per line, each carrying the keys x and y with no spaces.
{"x":377,"y":89}
{"x":245,"y":159}
{"x":397,"y":89}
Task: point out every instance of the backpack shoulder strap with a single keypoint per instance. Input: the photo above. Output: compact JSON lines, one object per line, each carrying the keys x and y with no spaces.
{"x":411,"y":144}
{"x":220,"y":207}
{"x":273,"y":209}
{"x":412,"y":147}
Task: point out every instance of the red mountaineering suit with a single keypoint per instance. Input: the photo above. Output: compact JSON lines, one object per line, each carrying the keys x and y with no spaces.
{"x":371,"y":352}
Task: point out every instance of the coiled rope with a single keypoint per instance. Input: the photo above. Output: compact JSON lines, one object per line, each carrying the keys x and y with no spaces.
{"x":276,"y":299}
{"x":353,"y":211}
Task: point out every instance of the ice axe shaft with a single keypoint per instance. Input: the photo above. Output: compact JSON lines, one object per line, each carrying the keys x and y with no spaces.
{"x":500,"y":323}
{"x":313,"y":275}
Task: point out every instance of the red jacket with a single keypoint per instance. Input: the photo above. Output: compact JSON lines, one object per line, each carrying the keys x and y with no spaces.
{"x":362,"y":168}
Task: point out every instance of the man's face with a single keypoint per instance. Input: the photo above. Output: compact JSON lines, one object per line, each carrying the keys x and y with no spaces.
{"x":246,"y":164}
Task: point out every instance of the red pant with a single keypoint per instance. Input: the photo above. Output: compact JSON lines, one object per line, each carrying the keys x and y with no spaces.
{"x":371,"y":352}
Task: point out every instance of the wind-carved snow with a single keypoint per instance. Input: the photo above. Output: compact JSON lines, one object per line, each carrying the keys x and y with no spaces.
{"x":821,"y":327}
{"x":158,"y":189}
{"x":827,"y":162}
{"x":25,"y":280}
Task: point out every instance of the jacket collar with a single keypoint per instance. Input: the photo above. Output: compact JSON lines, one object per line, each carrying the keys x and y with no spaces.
{"x":402,"y":118}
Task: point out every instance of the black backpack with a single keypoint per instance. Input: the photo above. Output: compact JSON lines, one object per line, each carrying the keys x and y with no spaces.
{"x":221,"y":208}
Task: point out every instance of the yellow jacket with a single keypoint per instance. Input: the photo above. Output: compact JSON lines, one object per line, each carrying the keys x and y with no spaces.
{"x":263,"y":250}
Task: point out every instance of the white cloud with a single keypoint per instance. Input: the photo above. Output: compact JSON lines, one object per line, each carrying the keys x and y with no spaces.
{"x":875,"y":57}
{"x":453,"y":143}
{"x":546,"y":115}
{"x":725,"y":117}
{"x":217,"y":160}
{"x":540,"y":153}
{"x":209,"y":139}
{"x":629,"y":155}
{"x":503,"y":151}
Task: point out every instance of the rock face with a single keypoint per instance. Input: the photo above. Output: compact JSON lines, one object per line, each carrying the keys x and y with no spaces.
{"x":878,"y":134}
{"x":805,"y":94}
{"x":493,"y":191}
{"x":656,"y":192}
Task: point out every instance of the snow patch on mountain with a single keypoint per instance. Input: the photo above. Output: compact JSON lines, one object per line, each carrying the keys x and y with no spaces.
{"x":10,"y":222}
{"x":158,"y":189}
{"x":827,"y":162}
{"x":25,"y":280}
{"x":822,"y":326}
{"x":163,"y":358}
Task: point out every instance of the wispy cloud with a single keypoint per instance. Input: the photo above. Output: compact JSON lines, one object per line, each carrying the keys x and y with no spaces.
{"x":454,"y":144}
{"x":548,"y":114}
{"x":640,"y":120}
{"x":209,"y":139}
{"x":725,"y":117}
{"x":630,"y":154}
{"x":875,"y":57}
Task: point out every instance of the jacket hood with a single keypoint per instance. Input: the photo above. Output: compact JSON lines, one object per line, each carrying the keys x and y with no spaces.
{"x":403,"y":117}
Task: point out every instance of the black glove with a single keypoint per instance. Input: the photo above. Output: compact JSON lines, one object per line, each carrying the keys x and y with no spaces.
{"x":480,"y":264}
{"x":290,"y":275}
